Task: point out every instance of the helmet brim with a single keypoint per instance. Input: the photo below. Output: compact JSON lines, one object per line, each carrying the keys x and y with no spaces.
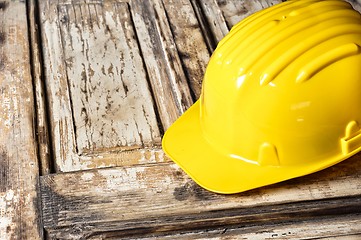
{"x":184,"y":143}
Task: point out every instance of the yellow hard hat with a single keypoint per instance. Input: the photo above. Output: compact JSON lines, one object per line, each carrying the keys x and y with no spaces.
{"x":281,"y":98}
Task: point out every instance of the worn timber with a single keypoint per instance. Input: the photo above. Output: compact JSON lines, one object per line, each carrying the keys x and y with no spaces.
{"x":19,"y":171}
{"x":159,"y":199}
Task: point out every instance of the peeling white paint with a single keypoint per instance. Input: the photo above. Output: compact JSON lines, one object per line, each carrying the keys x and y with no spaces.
{"x":64,"y":139}
{"x":9,"y":195}
{"x":109,"y":90}
{"x":87,"y":176}
{"x":9,"y":103}
{"x":8,"y":200}
{"x":123,"y":180}
{"x":149,"y":155}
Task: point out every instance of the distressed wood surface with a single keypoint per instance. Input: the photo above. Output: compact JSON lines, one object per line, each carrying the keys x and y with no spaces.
{"x":211,"y":21}
{"x":19,"y":203}
{"x":164,"y":67}
{"x":42,"y":131}
{"x":108,"y":105}
{"x":97,"y":77}
{"x":190,"y":43}
{"x":346,"y":227}
{"x":61,"y":130}
{"x":111,"y":102}
{"x":159,"y":198}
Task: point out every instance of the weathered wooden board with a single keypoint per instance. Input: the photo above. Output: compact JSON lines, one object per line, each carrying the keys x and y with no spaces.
{"x":101,"y":100}
{"x":153,"y":199}
{"x":111,"y":103}
{"x":190,"y":43}
{"x":19,"y":205}
{"x":211,"y":21}
{"x":41,"y":131}
{"x":164,"y":67}
{"x":235,"y":11}
{"x":344,"y":227}
{"x":62,"y":130}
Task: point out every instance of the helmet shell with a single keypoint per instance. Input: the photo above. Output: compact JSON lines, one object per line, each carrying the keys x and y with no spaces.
{"x":281,"y":98}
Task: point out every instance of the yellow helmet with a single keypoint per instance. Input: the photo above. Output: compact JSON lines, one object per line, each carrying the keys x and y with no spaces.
{"x":281,"y":98}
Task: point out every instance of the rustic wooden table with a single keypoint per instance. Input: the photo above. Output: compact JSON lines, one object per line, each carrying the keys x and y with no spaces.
{"x":87,"y":89}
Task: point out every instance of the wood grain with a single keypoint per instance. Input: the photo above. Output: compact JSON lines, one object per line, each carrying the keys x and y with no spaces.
{"x":166,"y":75}
{"x":100,"y":57}
{"x":235,"y":11}
{"x":189,"y":40}
{"x":61,"y":130}
{"x":100,"y":100}
{"x":19,"y":205}
{"x":153,"y":199}
{"x":343,"y":227}
{"x":211,"y":21}
{"x":42,"y":131}
{"x":111,"y":102}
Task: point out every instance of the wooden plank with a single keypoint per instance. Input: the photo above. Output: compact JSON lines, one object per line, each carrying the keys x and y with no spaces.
{"x":62,"y":130}
{"x":111,"y":102}
{"x":211,"y":21}
{"x":188,"y":37}
{"x":19,"y":209}
{"x":167,"y":78}
{"x":234,"y":11}
{"x":160,"y":198}
{"x":42,"y":131}
{"x":343,"y":227}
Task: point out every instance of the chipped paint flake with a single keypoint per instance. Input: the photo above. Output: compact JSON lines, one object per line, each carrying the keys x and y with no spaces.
{"x":8,"y":201}
{"x":87,"y":176}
